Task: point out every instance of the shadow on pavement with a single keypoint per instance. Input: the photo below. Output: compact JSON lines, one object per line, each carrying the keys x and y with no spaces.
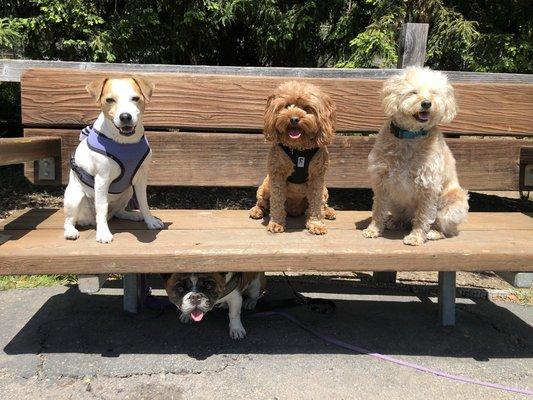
{"x":76,"y":323}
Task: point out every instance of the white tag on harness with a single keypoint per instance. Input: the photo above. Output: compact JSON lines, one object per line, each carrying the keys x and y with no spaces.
{"x":301,"y":162}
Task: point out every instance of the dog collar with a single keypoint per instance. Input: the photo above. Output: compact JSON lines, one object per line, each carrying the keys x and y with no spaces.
{"x":405,"y":134}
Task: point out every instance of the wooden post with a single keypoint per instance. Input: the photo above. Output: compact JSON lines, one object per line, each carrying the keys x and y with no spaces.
{"x":412,"y":46}
{"x":411,"y":51}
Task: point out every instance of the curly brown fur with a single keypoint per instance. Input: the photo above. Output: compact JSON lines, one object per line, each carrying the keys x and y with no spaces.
{"x":415,"y":180}
{"x":315,"y":113}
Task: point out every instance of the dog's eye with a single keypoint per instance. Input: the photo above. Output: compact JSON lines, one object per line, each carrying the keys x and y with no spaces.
{"x":413,"y":92}
{"x":135,"y":99}
{"x":208,"y":285}
{"x":110,"y":100}
{"x":180,"y":288}
{"x":308,"y":110}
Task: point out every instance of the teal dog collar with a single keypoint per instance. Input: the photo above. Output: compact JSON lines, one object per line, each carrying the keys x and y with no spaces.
{"x":404,"y":134}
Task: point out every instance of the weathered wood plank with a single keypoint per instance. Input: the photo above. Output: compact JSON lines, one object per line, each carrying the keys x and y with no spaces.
{"x":412,"y":46}
{"x":215,"y":102}
{"x":52,"y":219}
{"x":20,"y":150}
{"x":220,"y":159}
{"x":45,"y":251}
{"x":12,"y":70}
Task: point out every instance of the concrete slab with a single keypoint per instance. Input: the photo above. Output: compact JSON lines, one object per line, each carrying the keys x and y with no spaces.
{"x":57,"y":343}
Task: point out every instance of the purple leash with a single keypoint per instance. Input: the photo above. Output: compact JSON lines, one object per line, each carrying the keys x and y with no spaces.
{"x":357,"y":349}
{"x":162,"y":304}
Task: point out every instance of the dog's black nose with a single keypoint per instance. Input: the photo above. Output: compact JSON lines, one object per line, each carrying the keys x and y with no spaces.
{"x":195,"y":298}
{"x":426,"y":104}
{"x":295,"y":120}
{"x":125,"y":117}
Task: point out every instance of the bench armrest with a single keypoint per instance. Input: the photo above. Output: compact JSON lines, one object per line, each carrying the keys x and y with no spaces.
{"x":20,"y":150}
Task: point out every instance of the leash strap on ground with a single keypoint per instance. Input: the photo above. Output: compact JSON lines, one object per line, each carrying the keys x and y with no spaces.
{"x":357,"y":349}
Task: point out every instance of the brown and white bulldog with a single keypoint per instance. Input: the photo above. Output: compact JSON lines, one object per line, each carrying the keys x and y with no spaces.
{"x":197,"y":293}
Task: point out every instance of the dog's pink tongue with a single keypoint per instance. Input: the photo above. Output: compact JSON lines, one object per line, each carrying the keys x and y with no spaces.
{"x":197,"y":315}
{"x":294,"y":133}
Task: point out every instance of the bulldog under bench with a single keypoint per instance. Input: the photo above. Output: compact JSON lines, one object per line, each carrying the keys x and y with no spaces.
{"x":205,"y":130}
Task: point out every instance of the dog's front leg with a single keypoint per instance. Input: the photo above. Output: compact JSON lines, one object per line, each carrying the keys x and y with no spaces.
{"x":236,"y":330}
{"x":101,"y":206}
{"x":379,"y":214}
{"x":424,"y":216}
{"x":140,"y":193}
{"x":315,"y":210}
{"x":278,"y":199}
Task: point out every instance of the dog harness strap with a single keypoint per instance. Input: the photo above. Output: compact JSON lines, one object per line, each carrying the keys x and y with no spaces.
{"x":301,"y":160}
{"x":404,"y":134}
{"x":235,"y":280}
{"x":129,"y":156}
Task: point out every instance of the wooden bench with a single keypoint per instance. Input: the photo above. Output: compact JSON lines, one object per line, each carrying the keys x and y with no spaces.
{"x":205,"y":130}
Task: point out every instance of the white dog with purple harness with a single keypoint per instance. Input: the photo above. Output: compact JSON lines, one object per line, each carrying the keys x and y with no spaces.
{"x":111,"y":161}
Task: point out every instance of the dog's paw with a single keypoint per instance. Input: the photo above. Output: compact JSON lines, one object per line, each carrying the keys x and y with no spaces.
{"x":274,"y":227}
{"x":256,"y":212}
{"x":154,"y":223}
{"x":71,"y":233}
{"x":185,"y":318}
{"x":435,"y":235}
{"x":236,"y":330}
{"x":104,"y":236}
{"x":414,"y":239}
{"x":330,"y":213}
{"x":371,"y":232}
{"x":317,"y":227}
{"x":249,"y":303}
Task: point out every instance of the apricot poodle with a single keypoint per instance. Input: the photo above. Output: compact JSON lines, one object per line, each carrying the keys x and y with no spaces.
{"x":299,"y":121}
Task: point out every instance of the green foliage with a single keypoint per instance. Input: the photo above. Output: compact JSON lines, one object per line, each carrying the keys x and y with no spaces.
{"x":479,"y":35}
{"x":8,"y":282}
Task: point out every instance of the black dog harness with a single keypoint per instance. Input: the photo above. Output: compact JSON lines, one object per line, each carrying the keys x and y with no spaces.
{"x":301,"y":160}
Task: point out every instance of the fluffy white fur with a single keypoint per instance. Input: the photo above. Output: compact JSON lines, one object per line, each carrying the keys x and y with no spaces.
{"x":414,"y":180}
{"x":84,"y":205}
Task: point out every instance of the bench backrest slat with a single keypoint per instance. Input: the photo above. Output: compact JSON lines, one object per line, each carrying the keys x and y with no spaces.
{"x":55,"y":98}
{"x":223,"y":159}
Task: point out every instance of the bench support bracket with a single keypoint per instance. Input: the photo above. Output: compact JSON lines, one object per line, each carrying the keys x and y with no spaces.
{"x":134,"y":292}
{"x":447,"y":282}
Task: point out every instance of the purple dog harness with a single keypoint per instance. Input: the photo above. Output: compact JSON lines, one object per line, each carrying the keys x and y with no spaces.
{"x":129,"y":156}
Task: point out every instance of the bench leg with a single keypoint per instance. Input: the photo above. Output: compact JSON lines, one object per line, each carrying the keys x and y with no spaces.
{"x":447,"y":298}
{"x":91,"y":283}
{"x":134,"y":292}
{"x":384,"y":277}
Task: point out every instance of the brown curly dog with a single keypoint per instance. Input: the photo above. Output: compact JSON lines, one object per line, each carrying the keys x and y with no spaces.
{"x":299,"y":120}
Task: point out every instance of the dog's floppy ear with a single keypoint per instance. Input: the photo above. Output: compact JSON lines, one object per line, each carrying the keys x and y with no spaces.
{"x":271,"y":111}
{"x":326,"y":117}
{"x":389,"y":94}
{"x":146,"y":87}
{"x":450,"y":106}
{"x":96,"y":88}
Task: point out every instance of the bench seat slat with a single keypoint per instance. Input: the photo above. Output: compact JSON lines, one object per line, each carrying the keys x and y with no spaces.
{"x":38,"y":218}
{"x":51,"y":97}
{"x":223,"y":159}
{"x":42,"y":251}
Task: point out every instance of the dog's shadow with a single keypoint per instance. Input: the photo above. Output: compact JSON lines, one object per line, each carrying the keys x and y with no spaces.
{"x":387,"y":233}
{"x":137,"y":229}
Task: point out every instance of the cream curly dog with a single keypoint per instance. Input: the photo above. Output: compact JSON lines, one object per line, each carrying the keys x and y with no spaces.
{"x":412,"y":169}
{"x":299,"y":121}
